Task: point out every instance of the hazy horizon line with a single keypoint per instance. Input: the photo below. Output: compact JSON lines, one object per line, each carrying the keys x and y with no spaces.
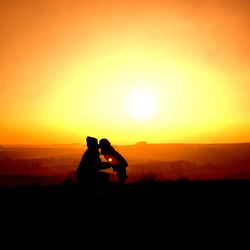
{"x":136,"y":143}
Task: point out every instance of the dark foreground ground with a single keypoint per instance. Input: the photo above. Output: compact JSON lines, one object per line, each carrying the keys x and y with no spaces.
{"x":164,"y":213}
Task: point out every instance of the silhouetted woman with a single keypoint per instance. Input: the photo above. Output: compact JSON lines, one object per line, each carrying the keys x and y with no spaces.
{"x":117,"y":161}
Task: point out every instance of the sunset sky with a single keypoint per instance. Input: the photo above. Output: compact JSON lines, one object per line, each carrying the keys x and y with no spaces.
{"x":128,"y":70}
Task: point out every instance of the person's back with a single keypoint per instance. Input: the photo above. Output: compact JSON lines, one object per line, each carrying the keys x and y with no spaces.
{"x":88,"y":173}
{"x":88,"y":166}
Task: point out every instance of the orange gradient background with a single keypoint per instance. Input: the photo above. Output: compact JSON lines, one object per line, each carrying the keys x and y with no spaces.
{"x":68,"y":68}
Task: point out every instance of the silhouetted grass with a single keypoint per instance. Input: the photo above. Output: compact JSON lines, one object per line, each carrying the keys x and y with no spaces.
{"x":146,"y":179}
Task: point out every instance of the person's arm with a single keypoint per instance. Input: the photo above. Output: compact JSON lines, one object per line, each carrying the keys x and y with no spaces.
{"x":104,"y":165}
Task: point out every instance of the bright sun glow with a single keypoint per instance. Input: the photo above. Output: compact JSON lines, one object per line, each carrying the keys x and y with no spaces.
{"x":121,"y":70}
{"x":141,"y":105}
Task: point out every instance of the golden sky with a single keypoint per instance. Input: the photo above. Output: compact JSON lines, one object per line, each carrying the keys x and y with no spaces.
{"x":72,"y":68}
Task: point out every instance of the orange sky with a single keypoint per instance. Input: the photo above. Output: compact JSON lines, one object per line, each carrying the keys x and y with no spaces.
{"x":69,"y":68}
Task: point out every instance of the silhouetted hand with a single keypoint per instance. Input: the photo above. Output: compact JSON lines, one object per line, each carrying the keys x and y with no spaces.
{"x":105,"y":165}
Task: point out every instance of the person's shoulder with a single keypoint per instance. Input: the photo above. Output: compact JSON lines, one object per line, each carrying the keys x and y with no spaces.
{"x":119,"y":155}
{"x":116,"y":152}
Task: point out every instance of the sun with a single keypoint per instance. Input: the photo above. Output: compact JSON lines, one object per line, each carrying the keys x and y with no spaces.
{"x":141,"y":105}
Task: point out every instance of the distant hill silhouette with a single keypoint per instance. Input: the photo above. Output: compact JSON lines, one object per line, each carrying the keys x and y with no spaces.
{"x":141,"y":143}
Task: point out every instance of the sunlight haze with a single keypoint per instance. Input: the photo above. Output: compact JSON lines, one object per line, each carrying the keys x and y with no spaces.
{"x":73,"y":68}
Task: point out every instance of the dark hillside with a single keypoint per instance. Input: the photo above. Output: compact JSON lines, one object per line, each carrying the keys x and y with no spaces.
{"x":139,"y":212}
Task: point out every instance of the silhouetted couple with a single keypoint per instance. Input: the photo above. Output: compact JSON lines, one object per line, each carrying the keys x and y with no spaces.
{"x":89,"y":172}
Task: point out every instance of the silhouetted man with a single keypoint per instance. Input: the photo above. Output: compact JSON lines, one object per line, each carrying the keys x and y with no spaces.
{"x":117,"y":161}
{"x":88,"y":172}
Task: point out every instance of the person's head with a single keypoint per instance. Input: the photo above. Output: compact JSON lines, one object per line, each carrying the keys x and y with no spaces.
{"x":105,"y":146}
{"x":92,"y":142}
{"x":103,"y":143}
